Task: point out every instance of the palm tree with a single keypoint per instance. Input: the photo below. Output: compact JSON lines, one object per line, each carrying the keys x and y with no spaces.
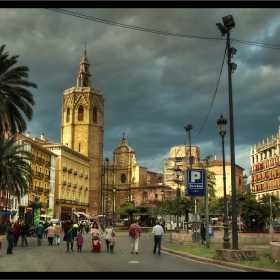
{"x":15,"y":99}
{"x":15,"y":168}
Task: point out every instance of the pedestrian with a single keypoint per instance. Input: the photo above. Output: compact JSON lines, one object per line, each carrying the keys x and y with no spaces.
{"x":202,"y":233}
{"x":50,"y":233}
{"x":157,"y":232}
{"x":10,"y":237}
{"x":112,"y":242}
{"x":107,"y":235}
{"x":58,"y":231}
{"x":24,"y":230}
{"x":134,"y":233}
{"x":80,"y":241}
{"x":75,"y":229}
{"x":46,"y":225}
{"x":17,"y":228}
{"x":69,"y":236}
{"x":39,"y":232}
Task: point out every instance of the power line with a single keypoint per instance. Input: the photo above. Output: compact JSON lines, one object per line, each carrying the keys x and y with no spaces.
{"x":270,"y":46}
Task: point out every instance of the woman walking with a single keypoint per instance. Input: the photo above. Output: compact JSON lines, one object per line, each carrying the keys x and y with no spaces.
{"x":10,"y":238}
{"x":50,"y":233}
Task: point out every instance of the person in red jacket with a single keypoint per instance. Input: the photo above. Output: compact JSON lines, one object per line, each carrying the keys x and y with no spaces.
{"x":17,"y":232}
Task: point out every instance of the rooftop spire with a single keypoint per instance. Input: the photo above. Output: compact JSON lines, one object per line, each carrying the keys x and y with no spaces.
{"x":85,"y":52}
{"x":123,"y":136}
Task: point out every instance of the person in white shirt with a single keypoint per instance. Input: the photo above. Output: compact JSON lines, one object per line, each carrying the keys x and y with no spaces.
{"x":157,"y":232}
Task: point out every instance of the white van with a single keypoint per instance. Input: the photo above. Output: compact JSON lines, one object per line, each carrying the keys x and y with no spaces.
{"x":54,"y":221}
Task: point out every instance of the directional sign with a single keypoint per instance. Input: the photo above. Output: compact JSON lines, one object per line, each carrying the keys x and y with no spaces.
{"x":194,"y":182}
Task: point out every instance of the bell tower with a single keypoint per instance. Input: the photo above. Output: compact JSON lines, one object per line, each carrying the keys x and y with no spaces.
{"x":82,"y":127}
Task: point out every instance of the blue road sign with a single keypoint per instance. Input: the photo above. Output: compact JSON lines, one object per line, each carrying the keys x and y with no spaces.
{"x":195,"y":182}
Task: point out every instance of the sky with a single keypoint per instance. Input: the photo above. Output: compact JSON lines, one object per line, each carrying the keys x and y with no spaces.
{"x":159,"y":69}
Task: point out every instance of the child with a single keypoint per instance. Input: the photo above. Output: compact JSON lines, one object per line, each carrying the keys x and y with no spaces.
{"x":80,"y":241}
{"x":112,"y":242}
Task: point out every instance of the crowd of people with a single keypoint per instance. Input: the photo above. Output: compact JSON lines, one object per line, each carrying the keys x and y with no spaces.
{"x":74,"y":231}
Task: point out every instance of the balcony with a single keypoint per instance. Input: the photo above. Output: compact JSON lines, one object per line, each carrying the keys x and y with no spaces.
{"x":81,"y":174}
{"x":81,"y":188}
{"x":75,"y":172}
{"x":63,"y":183}
{"x":46,"y":191}
{"x":74,"y":186}
{"x":39,"y":189}
{"x":70,"y":170}
{"x":64,"y":169}
{"x":31,"y":188}
{"x":47,"y":177}
{"x":48,"y":163}
{"x":86,"y":176}
{"x":37,"y":174}
{"x":86,"y":188}
{"x":68,"y":184}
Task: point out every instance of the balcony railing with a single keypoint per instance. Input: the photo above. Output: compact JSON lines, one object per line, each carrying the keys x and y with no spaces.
{"x":39,"y":189}
{"x":46,"y":191}
{"x":86,"y":176}
{"x":64,"y":169}
{"x":70,"y":170}
{"x":86,"y":188}
{"x":75,"y":172}
{"x":81,"y":174}
{"x":74,"y":186}
{"x":68,"y":201}
{"x":63,"y":183}
{"x":81,"y":188}
{"x":68,"y":184}
{"x":48,"y":163}
{"x":47,"y":177}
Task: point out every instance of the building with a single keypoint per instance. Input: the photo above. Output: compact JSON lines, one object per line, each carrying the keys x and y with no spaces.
{"x":82,"y":128}
{"x":71,"y":183}
{"x":179,"y":161}
{"x":265,"y":170}
{"x":43,"y":183}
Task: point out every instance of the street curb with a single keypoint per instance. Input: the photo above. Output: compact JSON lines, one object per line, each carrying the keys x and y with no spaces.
{"x":223,"y":263}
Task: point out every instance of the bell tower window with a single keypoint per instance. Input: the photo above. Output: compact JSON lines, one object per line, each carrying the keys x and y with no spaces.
{"x":94,"y":117}
{"x":80,"y":113}
{"x":68,"y":114}
{"x":85,"y":83}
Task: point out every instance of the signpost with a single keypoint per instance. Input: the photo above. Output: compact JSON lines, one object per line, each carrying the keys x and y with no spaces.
{"x":194,"y":182}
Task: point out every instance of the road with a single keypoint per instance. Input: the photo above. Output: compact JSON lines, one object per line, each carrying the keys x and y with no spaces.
{"x":47,"y":258}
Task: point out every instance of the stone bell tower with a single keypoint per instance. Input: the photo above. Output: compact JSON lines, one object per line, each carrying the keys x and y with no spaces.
{"x":82,"y":128}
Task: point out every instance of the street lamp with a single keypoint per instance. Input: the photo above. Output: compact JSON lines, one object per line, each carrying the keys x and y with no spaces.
{"x":162,"y":193}
{"x":188,"y":129}
{"x":228,"y":25}
{"x":114,"y":202}
{"x":222,"y":125}
{"x":107,"y":164}
{"x":270,"y":204}
{"x":178,"y":192}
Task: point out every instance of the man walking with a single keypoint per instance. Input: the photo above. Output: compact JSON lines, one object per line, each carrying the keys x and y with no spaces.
{"x":134,"y":233}
{"x":157,"y":232}
{"x":39,"y":232}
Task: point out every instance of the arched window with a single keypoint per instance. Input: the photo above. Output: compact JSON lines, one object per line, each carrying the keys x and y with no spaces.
{"x":81,"y":113}
{"x":85,"y":84}
{"x":94,"y":116}
{"x":68,"y":115}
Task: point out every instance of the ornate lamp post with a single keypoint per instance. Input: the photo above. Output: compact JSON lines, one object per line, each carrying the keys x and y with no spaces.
{"x":114,"y":202}
{"x":222,"y":124}
{"x":228,"y":25}
{"x":188,"y":129}
{"x":162,"y":194}
{"x":270,"y":204}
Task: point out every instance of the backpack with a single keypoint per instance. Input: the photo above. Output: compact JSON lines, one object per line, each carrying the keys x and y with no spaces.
{"x":132,"y":230}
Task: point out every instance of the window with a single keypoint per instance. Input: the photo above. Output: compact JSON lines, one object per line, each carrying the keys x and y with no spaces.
{"x":123,"y":178}
{"x":68,"y":114}
{"x":81,"y":113}
{"x":94,"y":114}
{"x":62,"y":194}
{"x":85,"y":84}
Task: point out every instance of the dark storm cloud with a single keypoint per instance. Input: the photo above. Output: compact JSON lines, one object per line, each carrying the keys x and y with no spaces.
{"x":154,"y":84}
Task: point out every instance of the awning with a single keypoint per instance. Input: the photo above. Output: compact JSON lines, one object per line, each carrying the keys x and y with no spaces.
{"x":78,"y":214}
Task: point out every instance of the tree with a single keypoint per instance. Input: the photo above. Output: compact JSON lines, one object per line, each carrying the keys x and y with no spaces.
{"x":15,"y":99}
{"x":15,"y":169}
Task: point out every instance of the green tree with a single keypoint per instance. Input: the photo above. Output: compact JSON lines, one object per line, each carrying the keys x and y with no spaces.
{"x":15,"y":169}
{"x":15,"y":99}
